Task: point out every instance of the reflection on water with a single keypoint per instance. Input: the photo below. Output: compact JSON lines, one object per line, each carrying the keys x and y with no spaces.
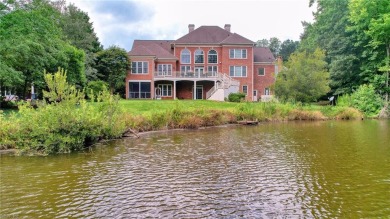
{"x":318,"y":169}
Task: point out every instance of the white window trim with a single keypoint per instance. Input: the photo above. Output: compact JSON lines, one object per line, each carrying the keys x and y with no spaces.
{"x":258,"y":71}
{"x":181,"y":57}
{"x":265,"y":91}
{"x":169,"y":73}
{"x":208,"y":53}
{"x":246,"y":54}
{"x":246,"y":71}
{"x":161,"y":86}
{"x":143,"y":73}
{"x":196,"y":55}
{"x":190,"y":70}
{"x":212,"y":66}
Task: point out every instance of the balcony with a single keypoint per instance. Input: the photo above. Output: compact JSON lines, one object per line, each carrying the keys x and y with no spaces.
{"x":178,"y":74}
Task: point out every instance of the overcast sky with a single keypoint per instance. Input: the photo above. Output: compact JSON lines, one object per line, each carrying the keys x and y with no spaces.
{"x":120,"y":22}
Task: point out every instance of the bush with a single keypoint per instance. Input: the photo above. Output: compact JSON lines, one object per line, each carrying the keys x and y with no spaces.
{"x":236,"y":97}
{"x":366,"y":100}
{"x":95,"y":87}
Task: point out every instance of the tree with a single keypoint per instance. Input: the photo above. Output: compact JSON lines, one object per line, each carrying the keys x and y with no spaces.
{"x":112,"y":65}
{"x":274,"y":46}
{"x":262,"y":43}
{"x":371,"y":23}
{"x":305,"y":78}
{"x":287,"y":47}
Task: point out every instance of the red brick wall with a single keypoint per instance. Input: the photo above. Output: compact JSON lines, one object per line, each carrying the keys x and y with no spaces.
{"x":205,"y":49}
{"x":248,"y":62}
{"x":261,"y":82}
{"x":141,"y":77}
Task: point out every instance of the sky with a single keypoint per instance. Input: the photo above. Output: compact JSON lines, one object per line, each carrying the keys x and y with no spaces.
{"x":120,"y":22}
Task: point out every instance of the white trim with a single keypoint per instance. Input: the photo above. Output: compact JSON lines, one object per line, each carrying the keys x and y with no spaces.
{"x":246,"y":71}
{"x":180,"y":60}
{"x":162,"y":89}
{"x":213,"y":54}
{"x":143,"y":73}
{"x":247,"y":89}
{"x":234,"y":53}
{"x":258,"y":72}
{"x":196,"y":55}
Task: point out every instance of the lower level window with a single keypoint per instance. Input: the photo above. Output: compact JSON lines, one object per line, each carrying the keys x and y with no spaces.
{"x":166,"y":90}
{"x":245,"y":89}
{"x":267,"y":91}
{"x":139,"y":90}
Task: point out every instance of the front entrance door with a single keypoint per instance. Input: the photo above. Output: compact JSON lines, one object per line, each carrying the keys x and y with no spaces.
{"x":255,"y":95}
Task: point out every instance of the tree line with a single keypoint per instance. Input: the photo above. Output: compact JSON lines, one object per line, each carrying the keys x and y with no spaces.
{"x":348,"y":47}
{"x":41,"y":35}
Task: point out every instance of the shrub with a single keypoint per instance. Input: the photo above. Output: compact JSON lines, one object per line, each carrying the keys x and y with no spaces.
{"x":236,"y":97}
{"x":366,"y":100}
{"x":350,"y":113}
{"x":95,"y":87}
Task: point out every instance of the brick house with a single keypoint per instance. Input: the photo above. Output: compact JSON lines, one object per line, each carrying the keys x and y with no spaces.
{"x":207,"y":63}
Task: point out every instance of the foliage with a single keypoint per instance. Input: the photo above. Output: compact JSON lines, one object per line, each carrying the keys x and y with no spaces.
{"x":32,"y":41}
{"x":62,"y":126}
{"x":287,"y":48}
{"x":112,"y":64}
{"x":95,"y":87}
{"x":305,"y":78}
{"x":236,"y":97}
{"x":366,"y":100}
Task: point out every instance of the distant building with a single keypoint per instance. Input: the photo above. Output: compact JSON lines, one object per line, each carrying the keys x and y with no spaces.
{"x":207,"y":63}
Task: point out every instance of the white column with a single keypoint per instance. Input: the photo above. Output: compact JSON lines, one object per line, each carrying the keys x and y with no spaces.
{"x":174,"y":89}
{"x":194,"y":94}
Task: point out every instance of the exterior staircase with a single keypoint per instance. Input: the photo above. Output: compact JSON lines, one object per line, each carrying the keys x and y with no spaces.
{"x":224,"y":86}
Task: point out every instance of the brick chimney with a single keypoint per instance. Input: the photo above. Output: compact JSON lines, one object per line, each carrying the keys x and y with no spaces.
{"x":191,"y":27}
{"x":227,"y":27}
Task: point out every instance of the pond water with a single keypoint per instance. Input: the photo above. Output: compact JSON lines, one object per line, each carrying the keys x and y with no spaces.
{"x":314,"y":169}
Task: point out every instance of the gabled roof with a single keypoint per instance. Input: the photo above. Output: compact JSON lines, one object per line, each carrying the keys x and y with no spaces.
{"x":263,"y":54}
{"x":212,"y":35}
{"x":159,"y":48}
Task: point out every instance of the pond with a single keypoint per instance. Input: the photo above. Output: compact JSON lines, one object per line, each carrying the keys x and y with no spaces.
{"x":297,"y":169}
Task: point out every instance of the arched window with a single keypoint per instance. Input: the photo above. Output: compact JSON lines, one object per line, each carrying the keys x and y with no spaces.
{"x":213,"y":57}
{"x":199,"y":56}
{"x":185,"y":56}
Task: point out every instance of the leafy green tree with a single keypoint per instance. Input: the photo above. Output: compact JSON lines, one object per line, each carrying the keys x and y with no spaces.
{"x":287,"y":47}
{"x":367,"y":100}
{"x":262,"y":43}
{"x":329,"y":32}
{"x":305,"y":78}
{"x":371,"y":23}
{"x":112,"y":65}
{"x":274,"y":45}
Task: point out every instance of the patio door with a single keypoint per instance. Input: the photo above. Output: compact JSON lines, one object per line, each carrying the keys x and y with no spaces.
{"x":198,"y":92}
{"x":199,"y":71}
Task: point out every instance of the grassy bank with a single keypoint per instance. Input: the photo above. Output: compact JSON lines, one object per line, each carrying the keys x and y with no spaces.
{"x":66,"y":127}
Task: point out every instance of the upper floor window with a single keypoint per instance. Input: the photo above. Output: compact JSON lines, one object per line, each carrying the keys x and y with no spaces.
{"x":139,"y":67}
{"x":185,"y":56}
{"x":213,"y":57}
{"x":237,"y":53}
{"x":199,"y":56}
{"x":261,"y":71}
{"x":237,"y":71}
{"x":164,"y":69}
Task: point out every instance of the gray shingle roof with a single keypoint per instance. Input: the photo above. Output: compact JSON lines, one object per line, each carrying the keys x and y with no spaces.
{"x":159,"y":48}
{"x":263,"y":54}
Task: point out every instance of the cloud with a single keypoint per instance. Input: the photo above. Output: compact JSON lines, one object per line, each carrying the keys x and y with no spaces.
{"x":121,"y":22}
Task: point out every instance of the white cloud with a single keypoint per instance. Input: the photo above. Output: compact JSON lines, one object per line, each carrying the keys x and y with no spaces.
{"x":156,"y":19}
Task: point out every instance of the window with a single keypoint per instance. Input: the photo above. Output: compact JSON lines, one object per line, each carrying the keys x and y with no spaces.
{"x":199,"y":56}
{"x":237,"y":53}
{"x":237,"y":71}
{"x":245,"y":89}
{"x":185,"y":68}
{"x":267,"y":91}
{"x":261,"y":71}
{"x":166,"y":90}
{"x":212,"y":69}
{"x":139,"y":67}
{"x":185,"y":56}
{"x":164,"y":69}
{"x":213,"y":57}
{"x":139,"y":90}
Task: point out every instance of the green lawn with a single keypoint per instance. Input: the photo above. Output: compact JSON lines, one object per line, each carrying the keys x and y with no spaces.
{"x":147,"y":106}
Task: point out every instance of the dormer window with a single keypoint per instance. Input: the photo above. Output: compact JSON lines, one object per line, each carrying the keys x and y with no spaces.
{"x":199,"y":56}
{"x":185,"y":56}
